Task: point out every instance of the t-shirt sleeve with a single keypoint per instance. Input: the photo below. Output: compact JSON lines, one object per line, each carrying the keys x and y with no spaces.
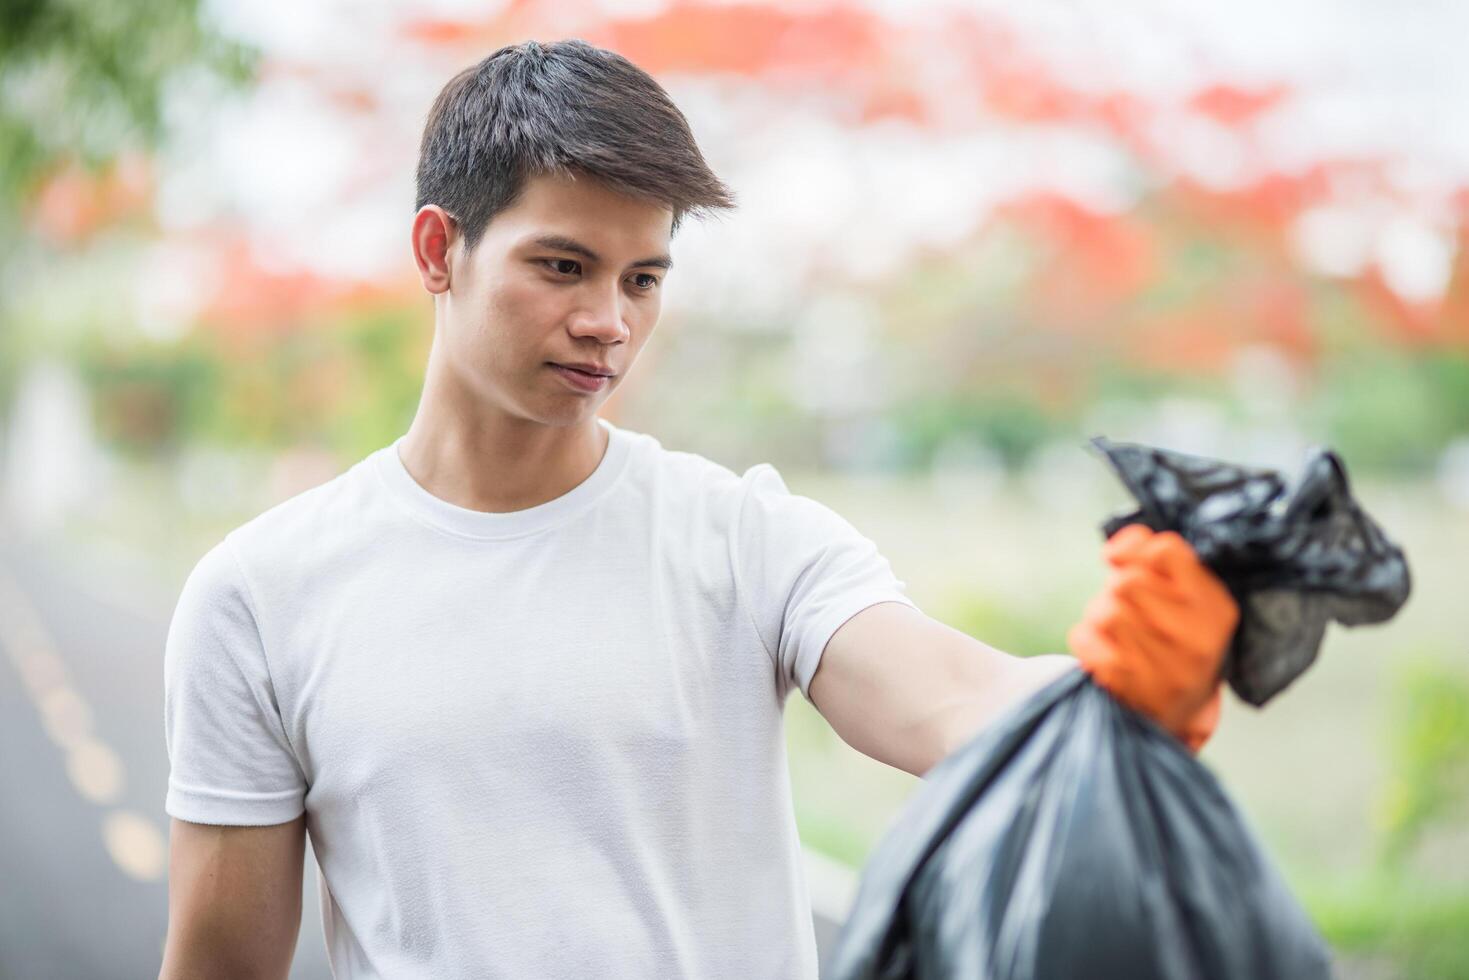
{"x":802,"y":571}
{"x":230,"y":761}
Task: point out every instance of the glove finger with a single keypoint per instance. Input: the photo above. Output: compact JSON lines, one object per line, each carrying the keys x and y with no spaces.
{"x":1172,"y":555}
{"x":1085,"y":641}
{"x":1150,"y":593}
{"x":1191,"y":625}
{"x":1144,"y":666}
{"x":1172,"y":664}
{"x":1126,"y":544}
{"x":1096,"y":652}
{"x":1139,"y":593}
{"x":1188,"y":608}
{"x":1168,"y":681}
{"x":1168,"y":553}
{"x":1099,"y":655}
{"x":1198,"y":728}
{"x":1139,"y":670}
{"x":1122,"y":620}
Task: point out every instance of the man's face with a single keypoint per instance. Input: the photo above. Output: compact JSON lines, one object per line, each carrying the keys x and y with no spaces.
{"x":529,"y":296}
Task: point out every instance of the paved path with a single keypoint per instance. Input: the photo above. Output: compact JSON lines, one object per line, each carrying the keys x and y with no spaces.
{"x":83,"y":835}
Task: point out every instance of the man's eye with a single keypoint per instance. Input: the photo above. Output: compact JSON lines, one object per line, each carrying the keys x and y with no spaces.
{"x":647,"y":286}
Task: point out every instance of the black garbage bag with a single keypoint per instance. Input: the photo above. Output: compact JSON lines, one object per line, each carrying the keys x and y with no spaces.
{"x":1075,"y":837}
{"x":1291,"y":564}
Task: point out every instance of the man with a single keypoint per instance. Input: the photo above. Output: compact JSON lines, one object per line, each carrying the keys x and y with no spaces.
{"x":521,"y":673}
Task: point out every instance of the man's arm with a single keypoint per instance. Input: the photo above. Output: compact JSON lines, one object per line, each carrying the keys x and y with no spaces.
{"x":906,"y":689}
{"x":234,"y":900}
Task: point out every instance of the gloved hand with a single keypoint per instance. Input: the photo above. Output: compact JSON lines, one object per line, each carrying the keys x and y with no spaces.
{"x":1155,"y":636}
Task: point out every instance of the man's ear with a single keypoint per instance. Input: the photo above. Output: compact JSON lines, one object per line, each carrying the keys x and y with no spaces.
{"x":434,"y":234}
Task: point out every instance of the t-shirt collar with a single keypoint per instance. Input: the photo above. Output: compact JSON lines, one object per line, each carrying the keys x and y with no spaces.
{"x":433,"y":510}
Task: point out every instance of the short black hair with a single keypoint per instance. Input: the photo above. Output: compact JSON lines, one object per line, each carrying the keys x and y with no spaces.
{"x":561,"y":108}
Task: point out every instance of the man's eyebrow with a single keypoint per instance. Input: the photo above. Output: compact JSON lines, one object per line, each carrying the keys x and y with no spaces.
{"x":563,"y":244}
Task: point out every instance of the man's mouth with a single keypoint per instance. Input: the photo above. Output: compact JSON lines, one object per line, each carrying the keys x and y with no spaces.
{"x":583,"y":380}
{"x":589,"y":370}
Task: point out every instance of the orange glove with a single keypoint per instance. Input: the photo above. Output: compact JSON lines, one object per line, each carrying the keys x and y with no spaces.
{"x":1156,"y":635}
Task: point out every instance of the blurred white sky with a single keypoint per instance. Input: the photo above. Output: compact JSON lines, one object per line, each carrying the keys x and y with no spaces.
{"x":332,"y":192}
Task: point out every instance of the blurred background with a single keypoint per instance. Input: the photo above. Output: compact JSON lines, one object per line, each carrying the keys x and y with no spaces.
{"x":971,"y":235}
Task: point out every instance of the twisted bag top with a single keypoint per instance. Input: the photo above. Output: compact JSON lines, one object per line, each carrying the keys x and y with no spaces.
{"x":1292,"y":563}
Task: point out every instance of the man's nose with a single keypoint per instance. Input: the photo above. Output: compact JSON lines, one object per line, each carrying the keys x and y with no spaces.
{"x":601,"y":315}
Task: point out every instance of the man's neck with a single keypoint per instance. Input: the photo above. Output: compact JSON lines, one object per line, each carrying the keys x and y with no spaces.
{"x":498,"y":465}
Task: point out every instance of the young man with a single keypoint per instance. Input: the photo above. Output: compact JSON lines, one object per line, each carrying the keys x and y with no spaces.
{"x":521,"y":673}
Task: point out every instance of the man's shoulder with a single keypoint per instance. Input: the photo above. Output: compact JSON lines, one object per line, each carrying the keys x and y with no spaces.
{"x":693,"y":469}
{"x":309,"y":521}
{"x":691,"y":480}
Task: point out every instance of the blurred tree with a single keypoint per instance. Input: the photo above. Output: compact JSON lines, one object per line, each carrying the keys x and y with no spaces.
{"x":83,"y":81}
{"x":1429,"y":785}
{"x":1387,"y":408}
{"x":345,"y":385}
{"x":82,"y":86}
{"x":1410,"y":910}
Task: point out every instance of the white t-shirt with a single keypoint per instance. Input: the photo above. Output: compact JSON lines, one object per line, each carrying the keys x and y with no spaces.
{"x":546,"y":743}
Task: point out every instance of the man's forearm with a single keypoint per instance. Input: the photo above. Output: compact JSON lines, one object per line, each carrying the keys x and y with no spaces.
{"x":1022,"y":677}
{"x":906,"y":689}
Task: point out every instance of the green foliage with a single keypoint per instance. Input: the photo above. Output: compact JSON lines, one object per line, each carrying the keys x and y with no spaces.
{"x":1392,"y":409}
{"x":346,"y":386}
{"x":386,"y":352}
{"x":1392,"y":912}
{"x":148,"y":397}
{"x":1113,"y":380}
{"x":1429,"y":785}
{"x":1011,"y":424}
{"x":1020,"y":632}
{"x":1420,"y":932}
{"x":13,"y":355}
{"x":833,"y":836}
{"x":843,"y":800}
{"x":84,"y":80}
